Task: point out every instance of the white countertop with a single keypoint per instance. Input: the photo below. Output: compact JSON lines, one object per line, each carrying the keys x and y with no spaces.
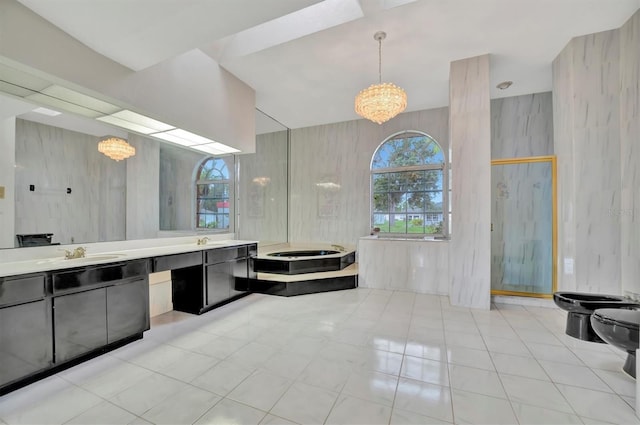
{"x":52,"y":257}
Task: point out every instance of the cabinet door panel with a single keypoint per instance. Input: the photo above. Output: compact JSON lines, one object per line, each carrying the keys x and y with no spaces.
{"x":127,"y":309}
{"x":80,"y":323}
{"x":240,"y":282}
{"x":26,"y":340}
{"x":219,"y":281}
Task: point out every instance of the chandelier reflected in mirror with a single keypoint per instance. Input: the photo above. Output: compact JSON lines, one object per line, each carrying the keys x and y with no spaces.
{"x":116,"y":148}
{"x":383,"y":101}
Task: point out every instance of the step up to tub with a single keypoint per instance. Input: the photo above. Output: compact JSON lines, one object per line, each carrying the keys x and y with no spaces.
{"x":308,"y":283}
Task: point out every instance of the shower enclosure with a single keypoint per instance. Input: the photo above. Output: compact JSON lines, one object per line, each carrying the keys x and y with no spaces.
{"x":523,"y":226}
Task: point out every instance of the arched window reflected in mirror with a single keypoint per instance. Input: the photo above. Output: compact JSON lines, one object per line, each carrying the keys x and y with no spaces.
{"x":212,"y":194}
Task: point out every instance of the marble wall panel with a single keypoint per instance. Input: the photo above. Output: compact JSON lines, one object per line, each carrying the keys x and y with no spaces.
{"x":143,"y":174}
{"x":263,"y":194}
{"x":595,"y":84}
{"x":470,"y":138}
{"x":562,"y":82}
{"x":629,"y":213}
{"x":53,"y":159}
{"x":330,"y":174}
{"x":7,"y":180}
{"x":522,"y":126}
{"x":596,"y":161}
{"x":178,"y":168}
{"x":404,"y":265}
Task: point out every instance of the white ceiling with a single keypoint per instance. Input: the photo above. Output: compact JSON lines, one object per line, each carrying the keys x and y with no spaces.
{"x":307,"y":59}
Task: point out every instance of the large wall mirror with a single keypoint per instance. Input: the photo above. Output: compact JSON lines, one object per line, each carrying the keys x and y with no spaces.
{"x":66,"y":188}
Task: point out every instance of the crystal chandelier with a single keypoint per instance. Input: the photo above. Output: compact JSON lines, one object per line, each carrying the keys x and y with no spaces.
{"x":116,"y":148}
{"x":383,"y":101}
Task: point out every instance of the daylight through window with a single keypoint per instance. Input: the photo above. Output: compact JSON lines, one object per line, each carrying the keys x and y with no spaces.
{"x":212,"y":199}
{"x":407,"y":185}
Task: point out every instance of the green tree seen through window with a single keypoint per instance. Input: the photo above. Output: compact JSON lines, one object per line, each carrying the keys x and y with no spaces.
{"x":407,"y":185}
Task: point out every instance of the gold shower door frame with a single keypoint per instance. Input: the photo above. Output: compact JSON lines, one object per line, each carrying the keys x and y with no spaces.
{"x":554,"y":221}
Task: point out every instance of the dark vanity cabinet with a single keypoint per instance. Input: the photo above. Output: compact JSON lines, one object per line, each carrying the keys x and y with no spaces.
{"x":125,"y":317}
{"x":97,"y":306}
{"x":25,"y":327}
{"x":54,"y":319}
{"x":216,"y":276}
{"x":227,"y":272}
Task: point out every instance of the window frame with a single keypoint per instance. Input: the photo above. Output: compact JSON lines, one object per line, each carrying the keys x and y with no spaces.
{"x":229,"y":181}
{"x":443,"y":167}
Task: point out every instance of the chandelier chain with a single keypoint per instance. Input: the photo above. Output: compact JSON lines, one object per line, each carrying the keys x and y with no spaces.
{"x":380,"y":61}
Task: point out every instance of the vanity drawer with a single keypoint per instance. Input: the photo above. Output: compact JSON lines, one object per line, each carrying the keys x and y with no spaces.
{"x":220,"y":255}
{"x":21,"y":289}
{"x":96,"y":276}
{"x":177,"y":261}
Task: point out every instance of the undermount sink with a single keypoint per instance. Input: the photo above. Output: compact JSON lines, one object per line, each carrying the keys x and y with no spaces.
{"x":86,"y":259}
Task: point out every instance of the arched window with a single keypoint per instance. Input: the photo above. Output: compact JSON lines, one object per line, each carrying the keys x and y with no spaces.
{"x":212,"y":194}
{"x":408,"y":186}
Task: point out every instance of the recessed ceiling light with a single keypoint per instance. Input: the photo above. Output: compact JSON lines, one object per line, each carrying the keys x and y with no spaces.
{"x":504,"y":85}
{"x":45,"y":111}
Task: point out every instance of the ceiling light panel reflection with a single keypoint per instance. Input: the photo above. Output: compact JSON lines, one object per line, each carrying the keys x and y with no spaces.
{"x":80,"y":99}
{"x":44,"y":99}
{"x":110,"y":119}
{"x":142,"y":120}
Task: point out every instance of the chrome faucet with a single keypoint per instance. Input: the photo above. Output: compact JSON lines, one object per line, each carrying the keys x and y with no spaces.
{"x":202,"y":241}
{"x":76,"y":253}
{"x":338,"y":247}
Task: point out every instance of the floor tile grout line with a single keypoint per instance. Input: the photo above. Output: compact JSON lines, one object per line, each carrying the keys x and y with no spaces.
{"x":537,"y":362}
{"x":513,"y":410}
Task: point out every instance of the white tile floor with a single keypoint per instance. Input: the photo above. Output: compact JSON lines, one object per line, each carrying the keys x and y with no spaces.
{"x":350,"y":357}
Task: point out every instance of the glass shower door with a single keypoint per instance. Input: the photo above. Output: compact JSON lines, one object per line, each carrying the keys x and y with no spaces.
{"x":523,"y":227}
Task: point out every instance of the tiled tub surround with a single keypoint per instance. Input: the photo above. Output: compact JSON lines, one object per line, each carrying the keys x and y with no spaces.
{"x":404,"y":264}
{"x":307,"y":283}
{"x":304,"y":259}
{"x":361,"y":356}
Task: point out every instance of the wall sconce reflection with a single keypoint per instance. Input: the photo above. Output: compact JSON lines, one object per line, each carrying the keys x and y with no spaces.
{"x":262,"y":181}
{"x":329,"y":186}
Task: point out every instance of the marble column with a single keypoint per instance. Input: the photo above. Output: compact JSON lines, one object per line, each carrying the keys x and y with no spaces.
{"x":630,"y":155}
{"x":262,"y":185}
{"x":7,"y":180}
{"x":143,"y":198}
{"x":586,"y":84}
{"x":470,"y":144}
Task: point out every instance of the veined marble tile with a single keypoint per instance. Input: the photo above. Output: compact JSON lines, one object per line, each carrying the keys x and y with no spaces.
{"x":53,"y":159}
{"x":594,"y":162}
{"x":341,"y":154}
{"x":7,"y":177}
{"x":143,"y":191}
{"x":418,"y":266}
{"x":522,"y":126}
{"x":470,"y":135}
{"x":563,"y":148}
{"x":629,"y":213}
{"x":263,"y":189}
